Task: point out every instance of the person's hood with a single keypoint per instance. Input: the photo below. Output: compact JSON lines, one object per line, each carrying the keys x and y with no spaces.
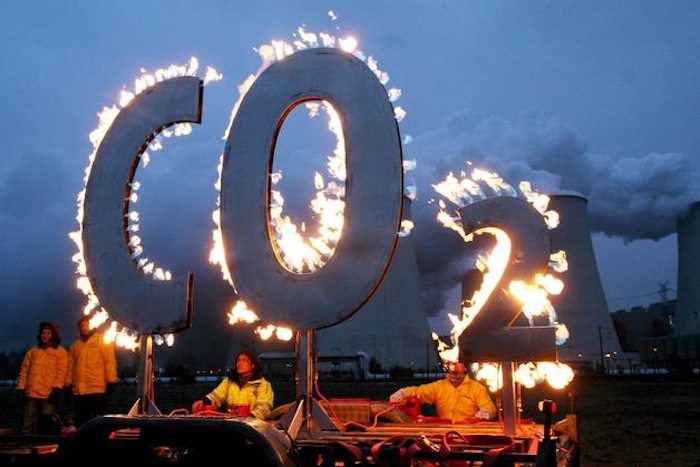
{"x":55,"y":334}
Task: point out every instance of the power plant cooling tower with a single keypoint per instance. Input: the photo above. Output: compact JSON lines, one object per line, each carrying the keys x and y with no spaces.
{"x":581,"y":306}
{"x":392,"y":327}
{"x":687,"y":319}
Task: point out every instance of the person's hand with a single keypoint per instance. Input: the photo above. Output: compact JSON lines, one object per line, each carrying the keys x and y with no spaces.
{"x":201,"y":404}
{"x":55,"y":396}
{"x":110,"y":389}
{"x":398,"y":397}
{"x":197,"y":406}
{"x":20,"y":396}
{"x":483,"y":415}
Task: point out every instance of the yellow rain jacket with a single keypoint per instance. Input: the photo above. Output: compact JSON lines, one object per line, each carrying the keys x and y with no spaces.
{"x":257,"y":393}
{"x":42,"y":370}
{"x":454,"y":403}
{"x":91,"y":365}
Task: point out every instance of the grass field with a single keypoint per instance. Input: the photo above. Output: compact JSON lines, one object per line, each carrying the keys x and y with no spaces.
{"x":649,"y":420}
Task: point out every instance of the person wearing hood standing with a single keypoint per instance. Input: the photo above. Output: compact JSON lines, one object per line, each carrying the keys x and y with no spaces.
{"x":92,"y":373}
{"x":40,"y":380}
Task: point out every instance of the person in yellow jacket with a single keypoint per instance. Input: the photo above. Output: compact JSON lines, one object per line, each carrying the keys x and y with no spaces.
{"x":92,"y":373}
{"x":244,"y":386}
{"x":456,"y":398}
{"x":40,"y":380}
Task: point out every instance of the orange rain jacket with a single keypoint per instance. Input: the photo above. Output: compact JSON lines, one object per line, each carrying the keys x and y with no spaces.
{"x":91,"y":365}
{"x":454,"y":403}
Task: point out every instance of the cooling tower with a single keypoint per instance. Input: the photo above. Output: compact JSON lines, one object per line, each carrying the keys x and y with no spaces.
{"x":687,"y":319}
{"x":582,"y":306}
{"x":393,"y":326}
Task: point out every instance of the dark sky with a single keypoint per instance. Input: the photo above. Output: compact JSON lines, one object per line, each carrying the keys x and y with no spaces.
{"x":594,"y":97}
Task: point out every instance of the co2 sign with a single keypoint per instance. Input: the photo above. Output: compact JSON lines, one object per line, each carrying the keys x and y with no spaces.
{"x":373,"y":201}
{"x":373,"y":208}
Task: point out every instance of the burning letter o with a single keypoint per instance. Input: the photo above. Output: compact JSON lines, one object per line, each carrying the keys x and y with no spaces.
{"x":373,"y":190}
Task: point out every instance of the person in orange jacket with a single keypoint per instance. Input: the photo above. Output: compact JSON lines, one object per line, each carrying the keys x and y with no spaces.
{"x":40,"y":380}
{"x":456,"y":397}
{"x":92,"y":373}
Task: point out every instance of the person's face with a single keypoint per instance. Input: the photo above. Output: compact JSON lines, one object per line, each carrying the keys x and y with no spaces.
{"x":84,"y":327}
{"x":243,"y":365}
{"x":456,"y":368}
{"x":46,"y":335}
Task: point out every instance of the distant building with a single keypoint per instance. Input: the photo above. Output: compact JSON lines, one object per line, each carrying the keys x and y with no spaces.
{"x":651,"y":332}
{"x":281,"y":366}
{"x":677,"y":347}
{"x":392,"y":327}
{"x":581,"y":306}
{"x":640,"y":323}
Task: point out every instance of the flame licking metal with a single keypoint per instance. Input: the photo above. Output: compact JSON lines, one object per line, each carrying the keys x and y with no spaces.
{"x":480,"y":184}
{"x":121,"y":335}
{"x":300,"y":251}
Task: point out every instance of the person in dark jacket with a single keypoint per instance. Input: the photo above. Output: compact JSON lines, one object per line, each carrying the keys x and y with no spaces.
{"x":40,"y":380}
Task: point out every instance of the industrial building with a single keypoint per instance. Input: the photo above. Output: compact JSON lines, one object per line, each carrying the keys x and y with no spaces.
{"x":667,"y":334}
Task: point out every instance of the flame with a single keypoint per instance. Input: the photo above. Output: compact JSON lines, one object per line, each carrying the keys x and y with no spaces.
{"x":533,"y":295}
{"x":301,"y":251}
{"x":121,"y":335}
{"x":240,"y":313}
{"x":556,"y":374}
{"x":491,"y":374}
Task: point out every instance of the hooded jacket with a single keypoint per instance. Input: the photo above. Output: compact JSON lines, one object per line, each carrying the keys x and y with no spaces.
{"x":92,"y":364}
{"x":43,"y":367}
{"x":254,"y":391}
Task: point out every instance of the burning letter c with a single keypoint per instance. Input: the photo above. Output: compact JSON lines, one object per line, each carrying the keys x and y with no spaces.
{"x":135,"y":300}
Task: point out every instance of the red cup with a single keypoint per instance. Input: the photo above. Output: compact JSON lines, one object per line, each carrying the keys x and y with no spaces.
{"x":412,"y":407}
{"x":239,"y":410}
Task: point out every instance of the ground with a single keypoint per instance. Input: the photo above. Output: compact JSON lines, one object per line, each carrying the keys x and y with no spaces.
{"x":623,"y":420}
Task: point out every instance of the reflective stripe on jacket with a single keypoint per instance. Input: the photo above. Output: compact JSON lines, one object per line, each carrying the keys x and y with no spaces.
{"x":454,"y":403}
{"x":91,"y":365}
{"x":256,"y":393}
{"x":42,"y":370}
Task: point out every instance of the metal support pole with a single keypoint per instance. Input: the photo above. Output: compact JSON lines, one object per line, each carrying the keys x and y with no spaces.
{"x":307,"y":418}
{"x":310,"y":373}
{"x":508,"y":398}
{"x":297,"y":365}
{"x":145,"y":403}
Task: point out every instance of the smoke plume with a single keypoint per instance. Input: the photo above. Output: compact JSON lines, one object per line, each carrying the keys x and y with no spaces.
{"x":635,"y":197}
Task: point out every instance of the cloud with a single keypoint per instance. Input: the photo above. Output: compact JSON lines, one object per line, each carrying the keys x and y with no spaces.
{"x":33,"y":187}
{"x":642,"y":198}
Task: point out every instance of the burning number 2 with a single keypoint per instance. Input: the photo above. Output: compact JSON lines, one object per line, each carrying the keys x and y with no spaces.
{"x":522,"y":232}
